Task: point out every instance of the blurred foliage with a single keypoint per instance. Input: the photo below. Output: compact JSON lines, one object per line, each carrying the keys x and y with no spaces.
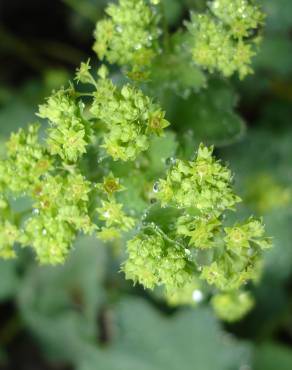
{"x":83,"y":314}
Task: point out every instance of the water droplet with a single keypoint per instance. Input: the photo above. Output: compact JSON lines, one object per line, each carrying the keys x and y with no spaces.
{"x":106,"y":214}
{"x":187,"y":252}
{"x":137,"y":46}
{"x":215,"y":4}
{"x":197,"y":295}
{"x":119,"y":29}
{"x":156,"y":187}
{"x":36,"y":211}
{"x":170,"y":161}
{"x":44,"y":232}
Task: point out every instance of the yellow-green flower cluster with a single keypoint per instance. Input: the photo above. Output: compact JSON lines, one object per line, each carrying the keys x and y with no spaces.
{"x":130,"y":117}
{"x":203,"y":244}
{"x":50,"y":172}
{"x":129,"y":36}
{"x":242,"y":16}
{"x":152,"y":261}
{"x":26,"y":161}
{"x":9,"y":235}
{"x":232,"y":306}
{"x":68,"y":134}
{"x":111,"y":213}
{"x":183,"y":242}
{"x":203,"y":184}
{"x":246,"y":235}
{"x":60,"y":210}
{"x":223,"y":38}
{"x":60,"y":200}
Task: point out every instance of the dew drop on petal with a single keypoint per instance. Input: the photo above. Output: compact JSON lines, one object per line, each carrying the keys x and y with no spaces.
{"x":119,"y":29}
{"x":156,"y":187}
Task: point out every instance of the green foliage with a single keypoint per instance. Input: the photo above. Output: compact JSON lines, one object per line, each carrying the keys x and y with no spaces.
{"x":92,"y":169}
{"x":59,"y":303}
{"x":270,"y":355}
{"x":64,"y":323}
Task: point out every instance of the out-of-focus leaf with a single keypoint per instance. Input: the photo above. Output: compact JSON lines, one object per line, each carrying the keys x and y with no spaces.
{"x":60,"y":304}
{"x":9,"y":279}
{"x":189,"y":340}
{"x":161,"y":149}
{"x":174,"y":70}
{"x":279,"y":258}
{"x":270,"y":356}
{"x":15,"y":115}
{"x":173,"y":10}
{"x":275,"y":55}
{"x":210,"y":115}
{"x":278,"y":14}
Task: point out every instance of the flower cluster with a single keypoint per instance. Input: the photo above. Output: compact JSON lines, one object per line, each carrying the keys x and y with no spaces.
{"x":113,"y":219}
{"x":129,"y":36}
{"x":62,"y":201}
{"x":26,"y":161}
{"x":204,"y":246}
{"x":130,"y":117}
{"x":61,"y":210}
{"x":203,"y":184}
{"x":9,"y":235}
{"x":68,"y":134}
{"x":232,"y":306}
{"x":223,"y":39}
{"x":71,"y":181}
{"x":153,"y":261}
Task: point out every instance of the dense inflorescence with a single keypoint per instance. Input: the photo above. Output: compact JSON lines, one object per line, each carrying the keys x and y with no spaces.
{"x":130,"y":117}
{"x":224,"y":38}
{"x":197,"y":241}
{"x":71,"y":174}
{"x":129,"y":36}
{"x":49,"y":171}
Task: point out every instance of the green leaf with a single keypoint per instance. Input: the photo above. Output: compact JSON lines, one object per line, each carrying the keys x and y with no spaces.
{"x":161,"y":149}
{"x":9,"y":279}
{"x":209,"y":116}
{"x":271,"y":356}
{"x":278,"y":15}
{"x":15,"y":115}
{"x":60,"y":304}
{"x":275,"y":55}
{"x":188,"y":340}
